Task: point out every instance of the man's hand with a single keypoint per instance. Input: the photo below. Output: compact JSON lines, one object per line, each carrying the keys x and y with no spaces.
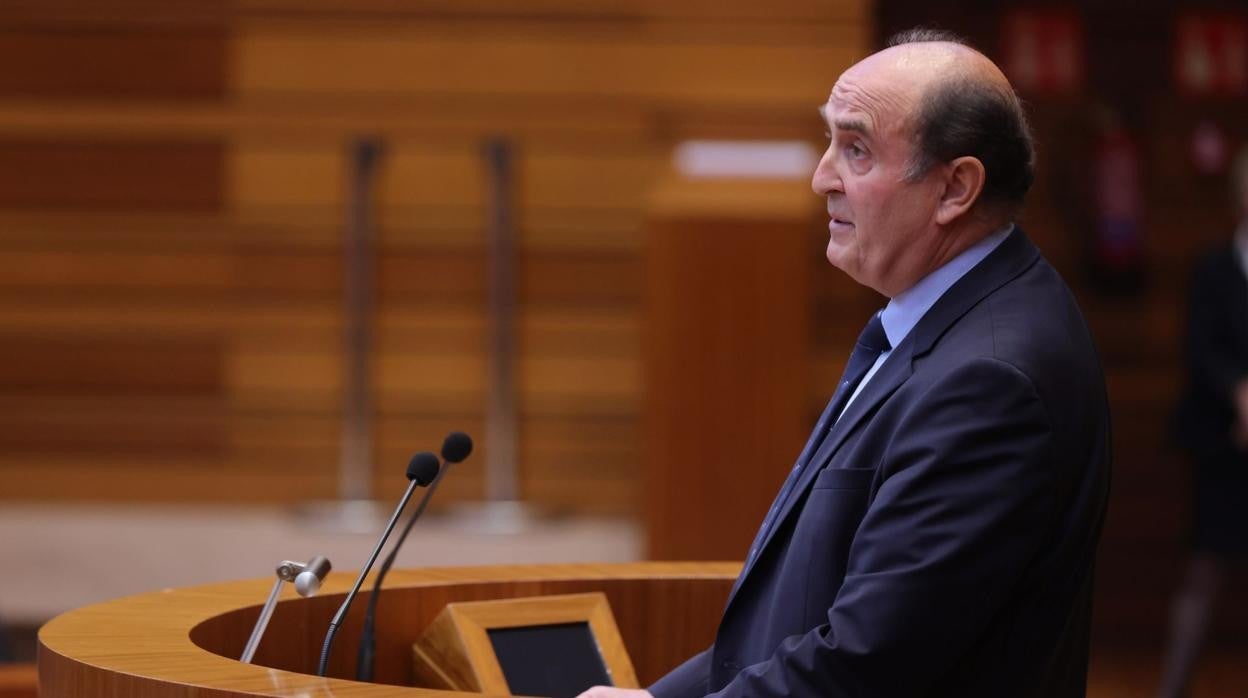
{"x":611,"y":692}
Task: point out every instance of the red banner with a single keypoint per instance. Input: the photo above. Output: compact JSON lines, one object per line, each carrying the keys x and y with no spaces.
{"x":1043,"y":50}
{"x":1211,"y":55}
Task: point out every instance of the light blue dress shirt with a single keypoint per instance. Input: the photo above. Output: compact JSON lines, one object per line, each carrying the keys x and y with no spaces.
{"x":905,"y":310}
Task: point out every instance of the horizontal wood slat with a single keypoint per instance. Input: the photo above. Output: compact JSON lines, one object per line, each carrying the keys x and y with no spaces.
{"x":79,"y":362}
{"x":145,"y":12}
{"x":162,"y":426}
{"x":54,"y":174}
{"x":159,"y":15}
{"x":332,"y":120}
{"x":113,"y":62}
{"x":554,"y":10}
{"x":388,"y":62}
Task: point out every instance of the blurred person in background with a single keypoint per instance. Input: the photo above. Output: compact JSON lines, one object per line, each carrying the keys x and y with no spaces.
{"x":1213,"y":429}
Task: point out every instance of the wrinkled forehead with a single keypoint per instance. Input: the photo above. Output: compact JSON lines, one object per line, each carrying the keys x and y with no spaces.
{"x":885,"y":89}
{"x":873,"y":98}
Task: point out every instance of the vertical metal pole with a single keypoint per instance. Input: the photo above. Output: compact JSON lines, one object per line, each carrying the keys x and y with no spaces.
{"x":355,"y":482}
{"x":501,"y":481}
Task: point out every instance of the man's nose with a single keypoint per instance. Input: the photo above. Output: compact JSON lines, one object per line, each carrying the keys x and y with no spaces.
{"x":825,"y":179}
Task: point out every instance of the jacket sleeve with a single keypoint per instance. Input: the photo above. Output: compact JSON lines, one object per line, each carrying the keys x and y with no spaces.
{"x":687,"y":680}
{"x":967,"y":499}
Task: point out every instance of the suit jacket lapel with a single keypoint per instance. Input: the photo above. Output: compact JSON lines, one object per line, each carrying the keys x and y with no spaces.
{"x":1012,"y":257}
{"x":816,"y":434}
{"x":894,"y":371}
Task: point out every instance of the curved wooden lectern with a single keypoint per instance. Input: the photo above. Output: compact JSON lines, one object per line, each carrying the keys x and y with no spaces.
{"x":186,"y":641}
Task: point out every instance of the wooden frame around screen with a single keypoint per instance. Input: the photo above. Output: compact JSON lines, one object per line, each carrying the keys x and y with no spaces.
{"x":455,"y":652}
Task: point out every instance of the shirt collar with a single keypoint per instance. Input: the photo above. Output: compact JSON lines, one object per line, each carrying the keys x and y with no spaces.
{"x":905,"y":309}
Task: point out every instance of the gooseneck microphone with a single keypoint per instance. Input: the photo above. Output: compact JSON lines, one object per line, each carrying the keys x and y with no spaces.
{"x":422,"y":469}
{"x":455,"y":448}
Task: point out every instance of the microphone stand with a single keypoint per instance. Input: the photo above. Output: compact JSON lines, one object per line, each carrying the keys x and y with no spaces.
{"x":364,"y":658}
{"x":346,"y":604}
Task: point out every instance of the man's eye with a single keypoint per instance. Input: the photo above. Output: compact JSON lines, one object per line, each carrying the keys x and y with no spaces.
{"x":855,"y":152}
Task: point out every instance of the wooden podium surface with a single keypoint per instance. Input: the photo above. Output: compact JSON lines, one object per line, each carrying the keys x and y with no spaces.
{"x":185,"y":642}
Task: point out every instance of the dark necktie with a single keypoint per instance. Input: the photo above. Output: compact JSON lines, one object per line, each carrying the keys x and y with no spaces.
{"x":871,"y":343}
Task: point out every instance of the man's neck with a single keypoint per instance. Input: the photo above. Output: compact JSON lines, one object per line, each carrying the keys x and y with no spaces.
{"x":953,"y":241}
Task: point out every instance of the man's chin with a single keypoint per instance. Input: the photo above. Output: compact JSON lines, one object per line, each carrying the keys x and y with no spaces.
{"x":846,"y":259}
{"x":840,"y":256}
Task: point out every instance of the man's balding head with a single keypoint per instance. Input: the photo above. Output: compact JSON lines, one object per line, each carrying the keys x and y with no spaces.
{"x":928,"y":153}
{"x":966,"y":107}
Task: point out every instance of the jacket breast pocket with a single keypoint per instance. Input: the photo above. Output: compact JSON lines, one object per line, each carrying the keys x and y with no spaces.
{"x":818,"y":555}
{"x":844,"y":478}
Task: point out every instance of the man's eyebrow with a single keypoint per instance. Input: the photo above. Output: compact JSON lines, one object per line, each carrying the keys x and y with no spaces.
{"x":856,"y":125}
{"x":853,"y":125}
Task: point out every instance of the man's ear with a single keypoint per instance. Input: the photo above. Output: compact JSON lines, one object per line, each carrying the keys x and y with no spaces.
{"x":964,"y":180}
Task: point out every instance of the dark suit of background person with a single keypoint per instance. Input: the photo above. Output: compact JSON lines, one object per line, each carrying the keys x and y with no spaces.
{"x":939,"y":540}
{"x":1217,"y":362}
{"x":1209,"y":415}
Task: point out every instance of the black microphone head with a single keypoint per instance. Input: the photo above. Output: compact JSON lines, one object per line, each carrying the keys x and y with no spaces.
{"x":423,"y":468}
{"x":456,"y":447}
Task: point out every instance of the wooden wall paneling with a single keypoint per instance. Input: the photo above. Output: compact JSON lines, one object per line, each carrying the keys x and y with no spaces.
{"x":558,"y":330}
{"x":726,"y":359}
{"x":145,"y":427}
{"x":284,"y":379}
{"x":427,"y":117}
{"x":152,"y":15}
{"x":109,"y":364}
{"x":158,"y":479}
{"x":433,"y":58}
{"x":619,"y":10}
{"x":253,"y":259}
{"x":72,"y":392}
{"x":113,"y":62}
{"x":266,"y":175}
{"x":134,"y":319}
{"x":435,"y":175}
{"x":570,"y":229}
{"x":431,"y":277}
{"x":606,"y":178}
{"x":575,"y":286}
{"x":93,"y":271}
{"x":97,"y":174}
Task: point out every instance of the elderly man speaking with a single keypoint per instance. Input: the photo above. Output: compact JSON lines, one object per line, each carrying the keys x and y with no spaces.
{"x":937,"y":534}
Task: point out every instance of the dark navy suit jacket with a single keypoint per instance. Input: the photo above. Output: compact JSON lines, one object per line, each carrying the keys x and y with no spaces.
{"x":940,"y":540}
